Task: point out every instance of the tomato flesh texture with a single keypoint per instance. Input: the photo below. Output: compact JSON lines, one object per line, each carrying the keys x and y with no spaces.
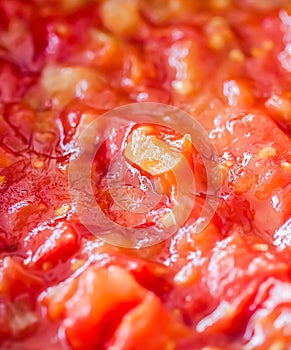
{"x":88,"y":309}
{"x":138,"y":177}
{"x":18,"y":288}
{"x":274,"y":303}
{"x":51,"y":245}
{"x":164,"y":330}
{"x":15,"y":279}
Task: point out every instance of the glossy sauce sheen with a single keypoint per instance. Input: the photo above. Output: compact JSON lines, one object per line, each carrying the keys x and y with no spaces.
{"x":228,"y":64}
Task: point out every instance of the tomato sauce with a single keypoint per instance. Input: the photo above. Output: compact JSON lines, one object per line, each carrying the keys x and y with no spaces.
{"x":64,"y":63}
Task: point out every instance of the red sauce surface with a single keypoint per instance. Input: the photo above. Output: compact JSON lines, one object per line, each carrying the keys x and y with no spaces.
{"x":227,"y":63}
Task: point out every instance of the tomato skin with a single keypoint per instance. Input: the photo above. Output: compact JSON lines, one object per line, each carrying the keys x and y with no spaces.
{"x":21,"y":117}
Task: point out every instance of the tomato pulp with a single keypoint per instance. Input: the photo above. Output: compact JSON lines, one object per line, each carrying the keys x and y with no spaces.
{"x":64,"y":63}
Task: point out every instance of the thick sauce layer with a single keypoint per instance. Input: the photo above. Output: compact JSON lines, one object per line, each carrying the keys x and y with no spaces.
{"x":227,"y":63}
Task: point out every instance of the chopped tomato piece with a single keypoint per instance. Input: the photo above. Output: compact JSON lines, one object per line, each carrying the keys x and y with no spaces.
{"x":16,"y":279}
{"x":164,"y":331}
{"x":49,"y":245}
{"x":88,"y":303}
